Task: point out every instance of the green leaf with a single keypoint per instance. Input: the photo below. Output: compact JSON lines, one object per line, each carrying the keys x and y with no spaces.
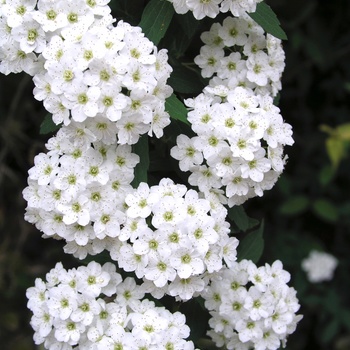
{"x":295,"y":205}
{"x":343,"y":131}
{"x":48,"y":126}
{"x":330,"y":330}
{"x":185,"y":80}
{"x":176,"y":109}
{"x":268,"y":20}
{"x":141,"y":170}
{"x":156,"y":19}
{"x":326,"y":210}
{"x":336,"y":150}
{"x":252,"y":245}
{"x":238,"y":215}
{"x":326,"y":175}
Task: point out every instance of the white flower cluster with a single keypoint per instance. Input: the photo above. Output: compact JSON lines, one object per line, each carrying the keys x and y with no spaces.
{"x":211,"y":8}
{"x":241,"y":139}
{"x":319,"y":266}
{"x":239,"y":53}
{"x":240,"y":132}
{"x":70,"y":311}
{"x":172,"y":238}
{"x":251,"y":307}
{"x":80,"y":191}
{"x":84,"y":67}
{"x":76,"y":191}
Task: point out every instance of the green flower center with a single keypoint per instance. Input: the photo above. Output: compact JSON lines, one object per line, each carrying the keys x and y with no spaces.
{"x":51,"y":15}
{"x":168,"y":216}
{"x":83,"y":99}
{"x":105,"y":219}
{"x":96,"y":196}
{"x":104,"y":75}
{"x":32,"y":35}
{"x":68,"y":75}
{"x":21,"y":10}
{"x":94,"y":170}
{"x":72,"y":18}
{"x":88,"y":55}
{"x":153,"y":244}
{"x":186,"y":259}
{"x":174,"y":238}
{"x":108,"y":101}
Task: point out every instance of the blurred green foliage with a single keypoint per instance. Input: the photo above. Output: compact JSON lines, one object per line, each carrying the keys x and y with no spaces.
{"x":308,"y":209}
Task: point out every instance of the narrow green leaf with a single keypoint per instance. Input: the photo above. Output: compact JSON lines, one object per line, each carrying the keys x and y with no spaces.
{"x":48,"y":126}
{"x":295,"y":205}
{"x":155,"y":19}
{"x":252,"y":245}
{"x":176,"y":109}
{"x":141,"y":170}
{"x":268,"y":20}
{"x":326,"y":210}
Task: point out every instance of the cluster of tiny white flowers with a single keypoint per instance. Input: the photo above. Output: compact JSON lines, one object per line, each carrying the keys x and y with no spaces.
{"x":319,"y":266}
{"x":251,"y":307}
{"x":211,"y":8}
{"x":172,"y":238}
{"x":84,"y":67}
{"x":107,"y":85}
{"x":241,"y":135}
{"x":239,"y":53}
{"x":76,"y":191}
{"x":80,"y":192}
{"x":240,"y":140}
{"x":74,"y":309}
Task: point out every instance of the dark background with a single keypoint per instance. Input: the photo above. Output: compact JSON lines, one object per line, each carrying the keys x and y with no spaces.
{"x":308,"y":209}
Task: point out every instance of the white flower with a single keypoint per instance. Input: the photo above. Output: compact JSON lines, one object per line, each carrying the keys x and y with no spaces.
{"x":186,"y":288}
{"x":319,"y":266}
{"x":159,"y":269}
{"x":62,"y":301}
{"x":139,"y":204}
{"x":50,"y":15}
{"x":256,"y":168}
{"x":186,"y":152}
{"x":92,"y":278}
{"x":68,"y":331}
{"x":187,"y":262}
{"x":201,"y":9}
{"x":17,"y":10}
{"x":42,"y":322}
{"x":77,"y":211}
{"x":168,"y":211}
{"x":37,"y":295}
{"x":209,"y":60}
{"x":82,"y":101}
{"x":30,"y":36}
{"x":233,"y":31}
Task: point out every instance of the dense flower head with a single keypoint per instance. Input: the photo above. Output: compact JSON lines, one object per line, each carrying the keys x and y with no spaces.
{"x":83,"y":67}
{"x":251,"y":307}
{"x":76,"y":191}
{"x":75,"y":309}
{"x":239,"y":143}
{"x":172,"y":238}
{"x":319,"y":266}
{"x":211,"y":8}
{"x":239,"y":53}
